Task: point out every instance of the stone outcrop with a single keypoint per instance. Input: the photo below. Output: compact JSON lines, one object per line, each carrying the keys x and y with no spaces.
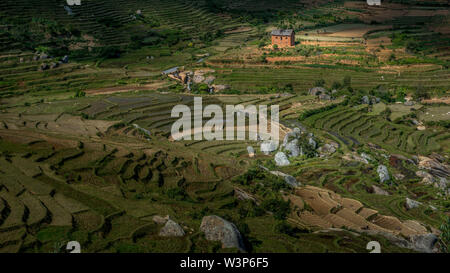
{"x":267,"y":147}
{"x":219,"y":229}
{"x":383,"y":173}
{"x":281,"y":159}
{"x":411,"y":204}
{"x":171,"y":229}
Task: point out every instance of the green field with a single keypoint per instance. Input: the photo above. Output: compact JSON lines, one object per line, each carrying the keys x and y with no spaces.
{"x":86,"y":152}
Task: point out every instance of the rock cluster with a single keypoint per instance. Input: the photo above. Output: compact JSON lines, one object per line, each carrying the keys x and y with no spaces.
{"x":370,"y":100}
{"x":320,"y":92}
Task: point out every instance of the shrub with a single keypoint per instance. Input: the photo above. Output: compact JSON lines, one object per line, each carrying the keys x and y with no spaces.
{"x":444,"y":238}
{"x":252,"y":174}
{"x":420,"y":93}
{"x":336,"y":85}
{"x":320,"y":83}
{"x":278,"y":207}
{"x":285,"y":228}
{"x":347,"y":81}
{"x":80,"y":94}
{"x":176,"y":193}
{"x":109,"y":52}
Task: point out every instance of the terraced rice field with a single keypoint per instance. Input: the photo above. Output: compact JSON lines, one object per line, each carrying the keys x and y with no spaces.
{"x":55,"y":184}
{"x":186,"y":16}
{"x":356,"y":126}
{"x":86,"y":152}
{"x":330,"y":210}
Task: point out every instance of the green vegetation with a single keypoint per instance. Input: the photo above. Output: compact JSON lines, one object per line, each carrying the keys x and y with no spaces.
{"x":86,"y":152}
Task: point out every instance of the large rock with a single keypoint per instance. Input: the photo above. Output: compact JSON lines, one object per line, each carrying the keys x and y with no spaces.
{"x":374,"y":100}
{"x":198,"y":78}
{"x":434,"y":167}
{"x":421,"y":243}
{"x":65,"y":59}
{"x":171,"y":229}
{"x":281,"y":159}
{"x":267,"y":147}
{"x":44,"y":66}
{"x":442,"y":184}
{"x":324,"y":97}
{"x":69,"y":10}
{"x":383,"y":173}
{"x":365,"y":100}
{"x":312,"y":142}
{"x":424,"y":243}
{"x":379,"y":191}
{"x":411,"y":204}
{"x":251,"y":151}
{"x":398,"y":176}
{"x":299,"y":130}
{"x":366,"y":157}
{"x":426,"y":177}
{"x":160,"y":220}
{"x":438,"y":157}
{"x":316,"y":91}
{"x":289,"y":179}
{"x":293,"y":148}
{"x":327,"y":149}
{"x":218,"y":229}
{"x":242,"y":195}
{"x":289,"y":137}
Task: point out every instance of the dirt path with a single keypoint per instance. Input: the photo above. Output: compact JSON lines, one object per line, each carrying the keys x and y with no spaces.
{"x":445,"y":100}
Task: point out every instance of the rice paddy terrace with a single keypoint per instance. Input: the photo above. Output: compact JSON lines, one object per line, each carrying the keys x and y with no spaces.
{"x":112,"y":22}
{"x":54,"y":186}
{"x":79,"y":169}
{"x":86,"y":152}
{"x":355,"y":126}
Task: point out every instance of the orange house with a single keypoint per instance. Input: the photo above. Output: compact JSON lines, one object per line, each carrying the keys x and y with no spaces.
{"x":283,"y":37}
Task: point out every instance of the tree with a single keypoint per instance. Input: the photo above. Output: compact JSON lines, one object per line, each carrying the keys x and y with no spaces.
{"x":336,"y":85}
{"x":401,"y":94}
{"x":347,"y":81}
{"x":421,"y":93}
{"x":80,"y":94}
{"x":320,"y":83}
{"x":278,"y":207}
{"x":392,"y":57}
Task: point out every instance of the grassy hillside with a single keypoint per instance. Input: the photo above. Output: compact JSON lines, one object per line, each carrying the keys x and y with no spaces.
{"x":86,"y":152}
